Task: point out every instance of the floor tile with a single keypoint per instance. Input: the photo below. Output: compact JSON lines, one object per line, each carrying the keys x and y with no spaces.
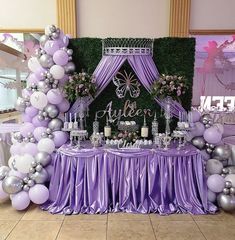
{"x":214,"y":230}
{"x":85,"y":217}
{"x":83,"y":231}
{"x":6,"y":227}
{"x":35,"y":230}
{"x":127,"y":216}
{"x":34,"y":213}
{"x":171,"y":217}
{"x":180,"y":230}
{"x":131,"y":230}
{"x":207,"y":217}
{"x":7,"y":212}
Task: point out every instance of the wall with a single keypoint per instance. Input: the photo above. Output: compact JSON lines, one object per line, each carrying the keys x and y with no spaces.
{"x":123,"y":18}
{"x":212,"y":14}
{"x":27,"y":14}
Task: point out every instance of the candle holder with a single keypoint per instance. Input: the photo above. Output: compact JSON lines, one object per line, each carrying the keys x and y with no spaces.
{"x":144,"y":129}
{"x":154,"y":125}
{"x":107,"y":129}
{"x":167,"y":114}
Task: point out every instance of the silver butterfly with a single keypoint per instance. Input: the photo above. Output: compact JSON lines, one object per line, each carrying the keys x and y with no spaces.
{"x":126,"y":83}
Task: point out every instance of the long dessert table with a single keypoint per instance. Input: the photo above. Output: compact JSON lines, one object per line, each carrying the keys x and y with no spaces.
{"x":100,"y":180}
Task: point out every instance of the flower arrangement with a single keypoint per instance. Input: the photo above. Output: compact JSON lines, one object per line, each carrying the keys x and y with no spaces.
{"x":168,"y":85}
{"x":80,"y":85}
{"x":126,"y":136}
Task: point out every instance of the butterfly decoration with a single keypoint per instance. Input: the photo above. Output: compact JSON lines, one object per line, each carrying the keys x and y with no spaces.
{"x":126,"y":83}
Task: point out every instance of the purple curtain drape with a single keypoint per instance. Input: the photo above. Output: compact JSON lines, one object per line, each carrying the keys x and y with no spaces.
{"x":144,"y":68}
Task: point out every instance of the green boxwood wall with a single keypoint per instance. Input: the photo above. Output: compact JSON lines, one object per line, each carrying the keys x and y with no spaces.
{"x":171,"y":55}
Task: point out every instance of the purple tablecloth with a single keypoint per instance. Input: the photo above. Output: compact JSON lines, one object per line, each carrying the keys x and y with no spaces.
{"x":140,"y":181}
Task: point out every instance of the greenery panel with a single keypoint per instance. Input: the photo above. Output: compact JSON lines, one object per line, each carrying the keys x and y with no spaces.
{"x":171,"y":56}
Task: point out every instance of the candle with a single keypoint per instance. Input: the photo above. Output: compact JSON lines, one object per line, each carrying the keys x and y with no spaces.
{"x":144,"y":132}
{"x":66,"y":124}
{"x":107,"y":131}
{"x":70,"y":121}
{"x":75,"y":124}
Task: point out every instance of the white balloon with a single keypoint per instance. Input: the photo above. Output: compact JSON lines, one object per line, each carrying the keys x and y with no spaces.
{"x":231,"y":178}
{"x":57,"y":71}
{"x":47,"y":29}
{"x":23,"y":163}
{"x":33,"y":64}
{"x":38,"y":100}
{"x":46,"y":145}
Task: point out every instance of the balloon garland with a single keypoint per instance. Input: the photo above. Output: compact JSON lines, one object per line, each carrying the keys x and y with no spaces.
{"x":41,"y":104}
{"x":207,"y":137}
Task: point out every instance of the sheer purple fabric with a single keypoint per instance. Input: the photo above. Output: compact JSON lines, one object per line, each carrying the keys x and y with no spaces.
{"x":139,"y":181}
{"x":144,"y":68}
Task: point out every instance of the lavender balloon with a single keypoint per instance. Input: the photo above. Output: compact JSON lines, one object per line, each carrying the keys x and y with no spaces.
{"x":60,"y":138}
{"x":55,"y":96}
{"x":26,"y":128}
{"x":38,"y":194}
{"x":51,"y":47}
{"x":30,"y":148}
{"x":60,"y":57}
{"x":20,"y":201}
{"x":215,"y":183}
{"x":64,"y":105}
{"x":37,"y":133}
{"x":212,"y":135}
{"x":31,"y":111}
{"x":198,"y":129}
{"x":194,"y":116}
{"x":37,"y":123}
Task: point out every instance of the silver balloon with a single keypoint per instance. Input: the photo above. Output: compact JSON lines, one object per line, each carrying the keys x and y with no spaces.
{"x":69,"y":68}
{"x":222,"y":152}
{"x":227,"y":202}
{"x":55,"y":124}
{"x":232,"y":190}
{"x":20,"y":104}
{"x":228,"y":184}
{"x":209,"y":150}
{"x":43,"y":158}
{"x":55,"y":35}
{"x":207,"y":125}
{"x":4,"y":170}
{"x":70,"y":52}
{"x":46,"y":61}
{"x":39,"y":168}
{"x":12,"y":184}
{"x":26,"y":179}
{"x":32,"y":170}
{"x":26,"y":188}
{"x":226,"y":191}
{"x":52,"y":111}
{"x":199,"y":142}
{"x":43,"y":39}
{"x":40,"y":177}
{"x":31,"y":183}
{"x":231,"y":169}
{"x":52,"y":28}
{"x":214,"y":166}
{"x":225,"y":170}
{"x":44,"y":135}
{"x":33,"y":164}
{"x":43,"y":87}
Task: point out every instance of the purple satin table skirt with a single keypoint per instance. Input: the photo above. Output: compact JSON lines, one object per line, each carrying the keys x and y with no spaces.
{"x":134,"y":180}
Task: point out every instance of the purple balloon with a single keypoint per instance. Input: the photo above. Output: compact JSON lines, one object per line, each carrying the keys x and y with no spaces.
{"x":30,"y":148}
{"x":206,"y":156}
{"x":31,"y":111}
{"x":20,"y":201}
{"x":211,"y":196}
{"x":17,"y":174}
{"x":26,"y":118}
{"x":3,"y":195}
{"x":55,"y":96}
{"x":37,"y":133}
{"x":60,"y":57}
{"x":51,"y":47}
{"x":64,"y":106}
{"x":215,"y":183}
{"x":39,"y":73}
{"x":198,"y":129}
{"x":38,"y":194}
{"x":26,"y":93}
{"x":15,"y":149}
{"x":60,"y":138}
{"x":212,"y":135}
{"x":194,"y":116}
{"x":26,"y":128}
{"x":38,"y":123}
{"x":32,"y":79}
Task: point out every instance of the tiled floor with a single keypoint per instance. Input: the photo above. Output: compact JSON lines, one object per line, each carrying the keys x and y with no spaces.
{"x":35,"y":224}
